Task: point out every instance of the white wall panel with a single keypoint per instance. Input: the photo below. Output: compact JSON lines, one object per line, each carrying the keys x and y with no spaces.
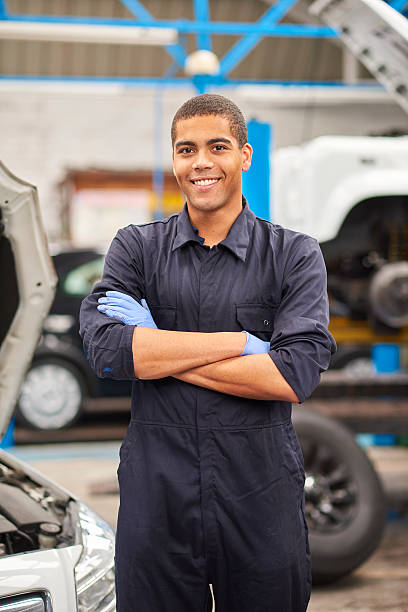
{"x":46,"y":133}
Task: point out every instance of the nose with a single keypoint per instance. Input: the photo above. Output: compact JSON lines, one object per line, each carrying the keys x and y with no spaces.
{"x":202,"y":160}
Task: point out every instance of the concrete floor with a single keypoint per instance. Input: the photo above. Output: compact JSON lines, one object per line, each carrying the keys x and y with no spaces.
{"x":381,"y":584}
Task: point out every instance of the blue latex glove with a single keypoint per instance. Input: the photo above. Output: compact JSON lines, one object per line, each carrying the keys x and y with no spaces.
{"x":254,"y":345}
{"x":125,"y":309}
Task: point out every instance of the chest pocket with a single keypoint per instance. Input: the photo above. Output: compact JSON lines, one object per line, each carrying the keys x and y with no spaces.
{"x":165,"y":317}
{"x":258,"y":319}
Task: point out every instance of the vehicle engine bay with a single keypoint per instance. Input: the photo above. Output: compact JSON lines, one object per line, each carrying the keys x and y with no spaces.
{"x":33,"y":516}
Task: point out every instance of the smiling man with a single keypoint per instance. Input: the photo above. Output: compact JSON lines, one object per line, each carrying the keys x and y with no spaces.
{"x":211,"y":473}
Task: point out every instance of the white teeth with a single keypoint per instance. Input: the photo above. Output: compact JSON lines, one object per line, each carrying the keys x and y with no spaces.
{"x":205,"y":182}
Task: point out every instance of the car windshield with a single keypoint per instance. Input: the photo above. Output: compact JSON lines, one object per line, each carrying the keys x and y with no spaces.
{"x":80,"y":281}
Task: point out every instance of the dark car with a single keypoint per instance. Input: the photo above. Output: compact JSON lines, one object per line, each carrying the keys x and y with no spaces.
{"x":60,"y":380}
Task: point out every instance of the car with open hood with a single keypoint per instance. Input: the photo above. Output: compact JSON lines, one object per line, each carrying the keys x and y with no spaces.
{"x":56,"y":554}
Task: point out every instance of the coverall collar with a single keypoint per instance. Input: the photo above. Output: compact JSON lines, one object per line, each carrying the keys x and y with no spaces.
{"x":237,"y":239}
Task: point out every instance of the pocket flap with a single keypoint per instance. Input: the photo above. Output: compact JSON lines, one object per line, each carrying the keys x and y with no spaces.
{"x":164,"y":316}
{"x":256,"y":317}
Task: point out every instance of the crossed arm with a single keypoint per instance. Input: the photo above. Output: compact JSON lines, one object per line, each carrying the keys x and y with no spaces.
{"x":210,"y":360}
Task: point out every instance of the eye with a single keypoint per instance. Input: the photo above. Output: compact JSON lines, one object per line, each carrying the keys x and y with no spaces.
{"x":220,"y":147}
{"x":185,"y":150}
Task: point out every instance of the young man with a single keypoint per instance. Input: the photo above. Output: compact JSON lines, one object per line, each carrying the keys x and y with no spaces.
{"x":211,"y":473}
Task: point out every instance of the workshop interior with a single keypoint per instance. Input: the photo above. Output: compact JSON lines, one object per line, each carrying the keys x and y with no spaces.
{"x":88,"y":90}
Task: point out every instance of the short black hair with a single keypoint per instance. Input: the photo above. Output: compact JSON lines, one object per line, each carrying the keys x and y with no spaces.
{"x":212,"y":104}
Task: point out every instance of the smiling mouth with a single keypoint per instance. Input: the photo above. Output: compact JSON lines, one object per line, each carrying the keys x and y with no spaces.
{"x":204,"y":182}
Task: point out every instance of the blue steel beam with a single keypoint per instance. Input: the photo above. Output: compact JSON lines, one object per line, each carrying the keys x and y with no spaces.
{"x":3,"y":9}
{"x":202,"y":13}
{"x":216,"y":81}
{"x":191,"y":27}
{"x":171,"y":70}
{"x":246,"y":44}
{"x":138,"y":10}
{"x":398,"y":5}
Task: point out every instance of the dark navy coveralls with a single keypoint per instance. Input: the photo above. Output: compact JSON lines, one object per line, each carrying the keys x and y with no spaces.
{"x":211,"y":485}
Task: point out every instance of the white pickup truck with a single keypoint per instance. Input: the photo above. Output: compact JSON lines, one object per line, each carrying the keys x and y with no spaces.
{"x":351,"y":193}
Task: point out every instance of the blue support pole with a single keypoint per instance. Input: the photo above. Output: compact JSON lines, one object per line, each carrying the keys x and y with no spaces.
{"x":201,"y":82}
{"x":158,"y":176}
{"x":386,"y":359}
{"x":8,"y":439}
{"x":246,"y":44}
{"x":398,"y":5}
{"x":202,"y":13}
{"x":255,"y":182}
{"x":3,"y":9}
{"x":138,"y":10}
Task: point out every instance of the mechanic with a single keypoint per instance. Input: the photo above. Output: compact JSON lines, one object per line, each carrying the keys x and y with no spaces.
{"x":211,"y":473}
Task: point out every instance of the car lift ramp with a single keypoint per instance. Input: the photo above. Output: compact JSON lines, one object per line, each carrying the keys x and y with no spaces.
{"x":376,"y":34}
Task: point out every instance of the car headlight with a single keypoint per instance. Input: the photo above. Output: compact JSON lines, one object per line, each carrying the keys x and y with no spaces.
{"x":94,"y":572}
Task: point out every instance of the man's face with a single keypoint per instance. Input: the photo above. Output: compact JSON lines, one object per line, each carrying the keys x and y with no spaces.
{"x":208,"y":162}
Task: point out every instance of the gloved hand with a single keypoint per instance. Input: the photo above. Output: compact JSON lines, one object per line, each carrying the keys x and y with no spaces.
{"x":255,"y":345}
{"x":125,"y":309}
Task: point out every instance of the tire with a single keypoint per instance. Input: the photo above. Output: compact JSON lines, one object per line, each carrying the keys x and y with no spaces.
{"x":345,"y":503}
{"x":51,"y":396}
{"x":354,"y":360}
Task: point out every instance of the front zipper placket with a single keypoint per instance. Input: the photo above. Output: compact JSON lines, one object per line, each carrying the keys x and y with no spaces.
{"x":205,"y":417}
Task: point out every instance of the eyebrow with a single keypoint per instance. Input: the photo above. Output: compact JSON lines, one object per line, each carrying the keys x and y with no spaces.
{"x":191,"y":143}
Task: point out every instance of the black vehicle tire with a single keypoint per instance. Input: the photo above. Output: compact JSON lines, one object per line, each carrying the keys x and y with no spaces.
{"x":345,"y":503}
{"x":354,"y":359}
{"x":52,"y":395}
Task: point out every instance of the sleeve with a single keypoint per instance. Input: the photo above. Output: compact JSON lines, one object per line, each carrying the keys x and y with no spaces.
{"x":301,"y":345}
{"x":108,"y":343}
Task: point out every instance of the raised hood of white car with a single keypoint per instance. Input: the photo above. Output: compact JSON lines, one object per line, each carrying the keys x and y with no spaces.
{"x":377,"y":35}
{"x":27,"y":283}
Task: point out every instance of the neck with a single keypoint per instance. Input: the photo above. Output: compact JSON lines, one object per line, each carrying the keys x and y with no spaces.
{"x":214,"y":225}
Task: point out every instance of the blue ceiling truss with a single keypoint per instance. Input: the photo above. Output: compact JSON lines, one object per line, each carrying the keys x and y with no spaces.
{"x":249,"y":41}
{"x":203,"y":28}
{"x":202,"y":14}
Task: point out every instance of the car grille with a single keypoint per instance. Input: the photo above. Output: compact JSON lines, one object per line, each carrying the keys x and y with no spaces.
{"x":26,"y":603}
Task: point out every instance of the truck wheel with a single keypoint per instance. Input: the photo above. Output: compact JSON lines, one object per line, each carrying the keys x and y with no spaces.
{"x":51,"y":396}
{"x":345,"y":504}
{"x":354,"y":360}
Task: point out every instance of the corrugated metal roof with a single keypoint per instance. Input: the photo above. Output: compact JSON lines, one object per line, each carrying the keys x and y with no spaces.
{"x":273,"y":58}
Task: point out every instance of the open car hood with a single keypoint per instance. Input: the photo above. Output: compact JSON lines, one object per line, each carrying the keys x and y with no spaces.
{"x":27,"y":285}
{"x":377,"y":35}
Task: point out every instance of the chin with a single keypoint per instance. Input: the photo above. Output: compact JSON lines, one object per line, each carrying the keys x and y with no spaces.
{"x":206,"y":205}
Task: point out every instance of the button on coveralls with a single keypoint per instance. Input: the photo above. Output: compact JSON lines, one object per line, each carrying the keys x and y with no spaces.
{"x":211,"y":485}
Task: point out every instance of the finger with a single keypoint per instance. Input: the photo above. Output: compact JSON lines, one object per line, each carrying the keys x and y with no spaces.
{"x":111,"y":302}
{"x":112,"y":314}
{"x":146,"y":306}
{"x":130,"y":304}
{"x":119,"y":294}
{"x":113,"y":308}
{"x":111,"y":299}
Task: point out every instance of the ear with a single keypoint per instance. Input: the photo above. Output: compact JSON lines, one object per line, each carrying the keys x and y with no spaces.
{"x":172,"y":159}
{"x":246,"y":157}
